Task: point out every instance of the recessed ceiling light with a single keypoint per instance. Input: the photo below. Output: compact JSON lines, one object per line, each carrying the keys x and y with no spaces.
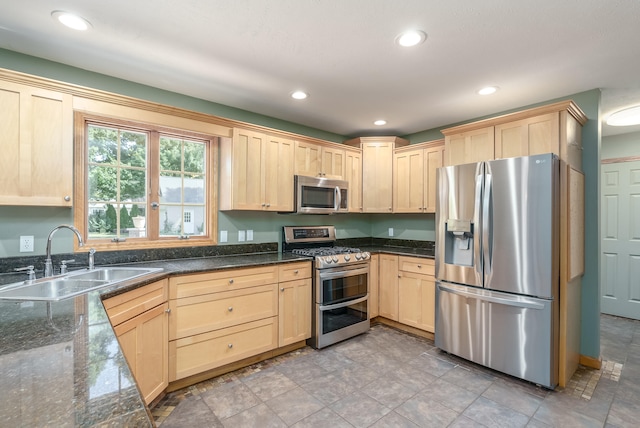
{"x":411,"y":38}
{"x":70,"y":20}
{"x":380,"y":122}
{"x":625,"y":117}
{"x":299,"y":95}
{"x":488,"y":90}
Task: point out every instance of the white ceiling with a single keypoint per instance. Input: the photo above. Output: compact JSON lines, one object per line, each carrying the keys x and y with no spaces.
{"x":251,"y":54}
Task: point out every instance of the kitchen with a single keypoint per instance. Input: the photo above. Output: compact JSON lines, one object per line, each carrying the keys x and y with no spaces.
{"x":266,"y":227}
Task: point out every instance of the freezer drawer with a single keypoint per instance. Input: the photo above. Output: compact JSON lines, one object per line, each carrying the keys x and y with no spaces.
{"x":513,"y":334}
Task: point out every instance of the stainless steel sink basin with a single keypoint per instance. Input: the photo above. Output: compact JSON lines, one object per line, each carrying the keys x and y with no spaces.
{"x":72,"y":284}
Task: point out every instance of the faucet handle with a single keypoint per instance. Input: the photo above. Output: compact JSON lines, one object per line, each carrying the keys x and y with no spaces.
{"x":63,"y":265}
{"x":30,"y":271}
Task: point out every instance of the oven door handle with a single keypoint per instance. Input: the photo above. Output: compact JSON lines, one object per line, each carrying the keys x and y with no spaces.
{"x":343,"y":273}
{"x":343,"y":304}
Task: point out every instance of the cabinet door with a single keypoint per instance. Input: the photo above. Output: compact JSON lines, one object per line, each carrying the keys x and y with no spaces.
{"x":469,"y":147}
{"x":144,"y":341}
{"x":36,"y":130}
{"x":377,"y":177}
{"x":416,"y":301}
{"x":388,"y":287}
{"x":532,"y":136}
{"x":308,"y":159}
{"x":374,"y":286}
{"x":433,"y":159}
{"x":277,"y":164}
{"x":294,"y":317}
{"x":408,"y":181}
{"x":353,"y":174}
{"x":333,"y":163}
{"x":246,"y":174}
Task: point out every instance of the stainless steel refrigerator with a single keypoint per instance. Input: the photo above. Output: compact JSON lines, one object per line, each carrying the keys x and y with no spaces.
{"x":497,"y":265}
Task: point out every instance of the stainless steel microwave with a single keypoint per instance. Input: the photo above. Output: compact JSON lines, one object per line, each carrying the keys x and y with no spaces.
{"x":315,"y":195}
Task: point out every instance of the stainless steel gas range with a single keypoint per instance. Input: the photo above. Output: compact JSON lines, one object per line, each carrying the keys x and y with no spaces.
{"x":340,"y":283}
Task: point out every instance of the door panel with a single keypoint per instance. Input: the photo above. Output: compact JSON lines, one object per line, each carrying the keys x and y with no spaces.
{"x":620,"y":230}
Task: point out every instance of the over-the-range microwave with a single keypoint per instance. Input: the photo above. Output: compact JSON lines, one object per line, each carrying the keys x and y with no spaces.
{"x":316,"y":195}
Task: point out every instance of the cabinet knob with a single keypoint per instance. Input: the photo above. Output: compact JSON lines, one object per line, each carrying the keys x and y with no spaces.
{"x":67,"y":198}
{"x":264,"y":205}
{"x":231,"y":281}
{"x":230,"y":345}
{"x":390,"y":209}
{"x":419,"y":266}
{"x":268,"y":205}
{"x":230,"y":308}
{"x":168,"y":310}
{"x":282,"y":289}
{"x":399,"y":276}
{"x":295,"y":271}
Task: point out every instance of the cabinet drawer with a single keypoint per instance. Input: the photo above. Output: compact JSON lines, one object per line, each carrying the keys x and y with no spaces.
{"x":226,"y":280}
{"x":200,"y":314}
{"x":132,"y":303}
{"x":293,"y":271}
{"x":417,"y":265}
{"x":196,"y":354}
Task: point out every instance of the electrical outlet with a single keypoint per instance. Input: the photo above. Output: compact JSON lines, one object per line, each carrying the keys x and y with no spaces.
{"x":241,"y":236}
{"x":223,"y":236}
{"x":249,"y":235}
{"x":26,"y":244}
{"x":391,"y":231}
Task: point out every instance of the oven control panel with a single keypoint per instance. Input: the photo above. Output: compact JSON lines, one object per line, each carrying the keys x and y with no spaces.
{"x":323,"y":262}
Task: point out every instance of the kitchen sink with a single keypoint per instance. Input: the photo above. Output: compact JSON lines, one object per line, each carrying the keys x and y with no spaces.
{"x":71,"y":284}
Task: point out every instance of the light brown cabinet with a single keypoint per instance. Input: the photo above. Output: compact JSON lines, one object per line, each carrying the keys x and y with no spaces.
{"x":531,"y":136}
{"x":388,"y":287}
{"x":414,"y":177}
{"x":140,"y":321}
{"x":316,"y":160}
{"x":416,"y":292}
{"x":36,"y":130}
{"x":353,"y":174}
{"x":469,"y":146}
{"x":373,"y":286}
{"x":255,"y":170}
{"x":294,"y":303}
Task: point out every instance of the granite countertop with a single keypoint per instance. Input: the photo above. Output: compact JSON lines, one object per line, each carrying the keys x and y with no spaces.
{"x":67,"y":369}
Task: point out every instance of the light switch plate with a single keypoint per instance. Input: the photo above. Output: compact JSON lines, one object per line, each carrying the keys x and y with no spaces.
{"x":223,"y":236}
{"x":241,"y":236}
{"x":249,"y":235}
{"x":391,"y":231}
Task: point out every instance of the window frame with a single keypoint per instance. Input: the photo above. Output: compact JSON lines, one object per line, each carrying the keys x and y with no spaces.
{"x":153,"y":238}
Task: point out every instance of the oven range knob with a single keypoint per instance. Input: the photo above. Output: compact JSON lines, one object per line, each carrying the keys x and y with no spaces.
{"x":359,"y":256}
{"x":335,"y":259}
{"x":365,"y":255}
{"x":328,"y":260}
{"x":347,"y":257}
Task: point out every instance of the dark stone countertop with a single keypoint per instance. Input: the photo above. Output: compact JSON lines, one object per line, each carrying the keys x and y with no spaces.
{"x":68,"y":369}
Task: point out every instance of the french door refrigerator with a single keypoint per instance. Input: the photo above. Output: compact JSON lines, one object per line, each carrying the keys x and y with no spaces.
{"x":497,"y":265}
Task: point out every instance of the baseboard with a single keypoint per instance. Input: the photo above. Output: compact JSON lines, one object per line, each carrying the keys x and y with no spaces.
{"x":403,"y":327}
{"x":591,"y":362}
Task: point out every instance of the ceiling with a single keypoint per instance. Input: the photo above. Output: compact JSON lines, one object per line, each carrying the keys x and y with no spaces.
{"x":251,"y":54}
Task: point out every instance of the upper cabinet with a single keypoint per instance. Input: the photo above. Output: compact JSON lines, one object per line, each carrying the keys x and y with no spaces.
{"x":414,"y":177}
{"x":353,"y":174}
{"x":553,"y":128}
{"x":256,"y":170}
{"x":36,"y":130}
{"x":316,"y":160}
{"x":377,"y":171}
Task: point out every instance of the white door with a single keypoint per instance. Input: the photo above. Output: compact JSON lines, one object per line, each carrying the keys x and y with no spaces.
{"x":620,"y":229}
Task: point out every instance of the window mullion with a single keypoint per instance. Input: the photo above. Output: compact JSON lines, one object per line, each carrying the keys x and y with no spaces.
{"x":154,"y":185}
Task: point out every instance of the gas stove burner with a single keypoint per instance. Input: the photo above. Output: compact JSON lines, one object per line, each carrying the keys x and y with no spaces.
{"x":324,"y":251}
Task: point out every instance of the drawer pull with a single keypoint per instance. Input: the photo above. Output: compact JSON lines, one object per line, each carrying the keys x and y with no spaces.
{"x":230,"y":345}
{"x":419,"y":266}
{"x":295,"y":271}
{"x":168,"y":310}
{"x":282,"y":289}
{"x":231,"y":281}
{"x":230,"y":308}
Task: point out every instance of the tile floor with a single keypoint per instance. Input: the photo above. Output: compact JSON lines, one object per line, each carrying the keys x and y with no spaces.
{"x":387,"y":378}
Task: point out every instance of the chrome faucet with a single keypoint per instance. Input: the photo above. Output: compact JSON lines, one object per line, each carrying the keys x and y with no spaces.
{"x":48,"y":265}
{"x":92,"y":252}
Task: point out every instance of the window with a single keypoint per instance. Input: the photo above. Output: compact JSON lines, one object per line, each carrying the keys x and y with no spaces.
{"x":143,"y":186}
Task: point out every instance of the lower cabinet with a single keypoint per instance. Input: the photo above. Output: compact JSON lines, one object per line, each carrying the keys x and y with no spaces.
{"x":140,"y":321}
{"x":294,"y":317}
{"x":388,"y":287}
{"x":416,"y":293}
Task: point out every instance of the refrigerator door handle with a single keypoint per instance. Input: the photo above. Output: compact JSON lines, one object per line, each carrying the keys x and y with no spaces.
{"x":487,"y":231}
{"x":520,"y":302}
{"x":477,"y":248}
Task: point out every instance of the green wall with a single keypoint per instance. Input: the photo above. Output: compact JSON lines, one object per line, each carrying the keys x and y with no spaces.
{"x":620,"y":146}
{"x":16,"y":221}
